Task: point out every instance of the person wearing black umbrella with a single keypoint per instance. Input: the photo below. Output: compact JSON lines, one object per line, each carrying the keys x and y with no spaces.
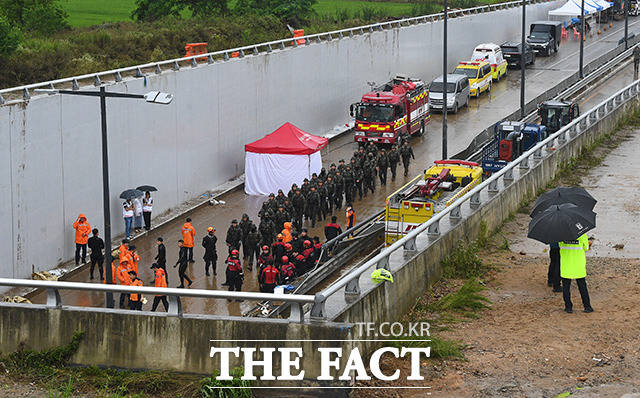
{"x":573,"y":263}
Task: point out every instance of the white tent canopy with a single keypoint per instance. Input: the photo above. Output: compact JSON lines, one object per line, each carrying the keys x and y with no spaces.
{"x":280,"y":159}
{"x":572,"y":9}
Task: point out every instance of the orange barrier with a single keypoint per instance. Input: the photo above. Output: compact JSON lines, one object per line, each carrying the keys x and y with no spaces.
{"x":564,"y":34}
{"x":196,"y":49}
{"x":298,"y":33}
{"x":575,"y":33}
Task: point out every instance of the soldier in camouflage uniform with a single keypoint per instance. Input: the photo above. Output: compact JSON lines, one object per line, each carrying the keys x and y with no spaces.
{"x":338,"y":191}
{"x":313,"y":205}
{"x":394,"y":158}
{"x":322,"y":193}
{"x":348,"y":183}
{"x":383,"y":164}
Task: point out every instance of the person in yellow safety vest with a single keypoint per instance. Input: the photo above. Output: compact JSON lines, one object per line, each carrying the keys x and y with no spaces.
{"x":573,"y":265}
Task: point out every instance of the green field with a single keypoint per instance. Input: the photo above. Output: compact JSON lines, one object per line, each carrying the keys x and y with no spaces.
{"x":94,"y":12}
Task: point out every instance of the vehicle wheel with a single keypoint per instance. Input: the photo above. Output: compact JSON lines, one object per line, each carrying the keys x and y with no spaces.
{"x":421,"y":131}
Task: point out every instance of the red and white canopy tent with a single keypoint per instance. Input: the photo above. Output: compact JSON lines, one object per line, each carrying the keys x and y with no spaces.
{"x":276,"y":161}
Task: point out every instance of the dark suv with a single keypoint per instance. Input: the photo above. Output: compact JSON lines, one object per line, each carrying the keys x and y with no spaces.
{"x":511,"y":52}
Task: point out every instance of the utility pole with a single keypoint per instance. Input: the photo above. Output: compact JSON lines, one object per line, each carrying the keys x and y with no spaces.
{"x":523,"y":62}
{"x":626,"y":24}
{"x":444,"y":82}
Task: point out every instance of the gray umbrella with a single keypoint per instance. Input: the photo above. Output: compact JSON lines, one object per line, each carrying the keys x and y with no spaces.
{"x":131,"y":193}
{"x":561,"y":223}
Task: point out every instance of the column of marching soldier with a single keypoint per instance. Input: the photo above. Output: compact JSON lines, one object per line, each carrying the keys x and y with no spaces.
{"x":280,"y":245}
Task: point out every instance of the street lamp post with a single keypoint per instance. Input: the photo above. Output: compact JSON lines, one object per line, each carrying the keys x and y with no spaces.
{"x":523,"y":44}
{"x":582,"y":38}
{"x":626,"y":24}
{"x":154,"y":97}
{"x":444,"y":82}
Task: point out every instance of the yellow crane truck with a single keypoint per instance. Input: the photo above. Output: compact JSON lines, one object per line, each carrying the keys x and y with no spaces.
{"x":427,"y":194}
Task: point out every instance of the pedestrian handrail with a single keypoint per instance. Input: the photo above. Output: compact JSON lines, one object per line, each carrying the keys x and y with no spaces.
{"x":253,"y":49}
{"x":175,"y":306}
{"x":408,"y":242}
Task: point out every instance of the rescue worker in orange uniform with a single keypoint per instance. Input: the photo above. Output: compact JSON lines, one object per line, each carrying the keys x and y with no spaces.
{"x":286,"y":233}
{"x":83,"y":229}
{"x":135,"y":299}
{"x":160,"y":280}
{"x":134,"y":259}
{"x":114,"y":256}
{"x":123,"y":250}
{"x":351,"y":217}
{"x":188,"y":235}
{"x":270,"y":277}
{"x":122,"y":273}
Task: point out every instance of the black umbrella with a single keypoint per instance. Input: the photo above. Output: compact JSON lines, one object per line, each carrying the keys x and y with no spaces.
{"x":561,"y":223}
{"x":145,"y":188}
{"x":131,"y":193}
{"x":576,"y":195}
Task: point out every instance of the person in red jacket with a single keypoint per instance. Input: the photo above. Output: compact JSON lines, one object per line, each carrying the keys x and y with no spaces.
{"x":278,"y":250}
{"x":188,"y":235}
{"x":264,"y":259}
{"x":83,"y":229}
{"x":269,"y":278}
{"x":332,"y":229}
{"x":287,"y":271}
{"x":235,"y":276}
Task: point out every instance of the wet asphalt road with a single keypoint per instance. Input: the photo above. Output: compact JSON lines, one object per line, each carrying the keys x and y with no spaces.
{"x":462,"y":127}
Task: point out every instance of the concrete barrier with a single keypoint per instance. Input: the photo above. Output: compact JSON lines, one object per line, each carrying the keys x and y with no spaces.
{"x":50,"y":168}
{"x":145,"y":340}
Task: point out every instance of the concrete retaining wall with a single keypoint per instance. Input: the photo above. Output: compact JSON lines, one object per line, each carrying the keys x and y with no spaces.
{"x":388,"y":301}
{"x":50,"y":166}
{"x":139,"y":340}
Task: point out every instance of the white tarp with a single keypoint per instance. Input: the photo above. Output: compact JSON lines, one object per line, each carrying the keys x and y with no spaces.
{"x":268,"y":172}
{"x":573,"y":9}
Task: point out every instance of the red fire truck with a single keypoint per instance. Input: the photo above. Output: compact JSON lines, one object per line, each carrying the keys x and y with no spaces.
{"x":391,"y":109}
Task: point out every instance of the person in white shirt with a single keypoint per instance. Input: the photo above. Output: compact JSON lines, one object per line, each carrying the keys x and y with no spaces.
{"x":147,"y":207}
{"x":127,"y":214}
{"x":137,"y":208}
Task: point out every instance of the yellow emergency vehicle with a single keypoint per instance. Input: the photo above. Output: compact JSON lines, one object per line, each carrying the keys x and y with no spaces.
{"x":479,"y":74}
{"x":427,"y":194}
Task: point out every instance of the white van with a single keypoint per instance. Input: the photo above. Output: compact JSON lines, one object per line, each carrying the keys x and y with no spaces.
{"x":492,"y":53}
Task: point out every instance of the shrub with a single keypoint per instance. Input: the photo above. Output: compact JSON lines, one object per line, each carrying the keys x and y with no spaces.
{"x":9,"y":38}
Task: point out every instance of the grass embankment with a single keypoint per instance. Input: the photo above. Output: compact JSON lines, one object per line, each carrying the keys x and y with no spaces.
{"x":50,"y":370}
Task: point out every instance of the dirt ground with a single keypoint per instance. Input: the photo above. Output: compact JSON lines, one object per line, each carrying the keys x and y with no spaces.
{"x":527,"y":346}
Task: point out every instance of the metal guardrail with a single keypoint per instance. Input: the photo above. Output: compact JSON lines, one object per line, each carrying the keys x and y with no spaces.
{"x":351,"y":281}
{"x":254,"y":49}
{"x":174,"y":294}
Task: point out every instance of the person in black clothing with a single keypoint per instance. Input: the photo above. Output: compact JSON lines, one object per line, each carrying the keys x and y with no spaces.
{"x":332,"y":229}
{"x":234,"y":236}
{"x":161,"y":257}
{"x":210,"y":254}
{"x":394,"y":159}
{"x":96,"y":244}
{"x":299,"y":204}
{"x":245,"y":227}
{"x":183,"y":261}
{"x":406,"y":152}
{"x":253,"y":241}
{"x":383,"y":164}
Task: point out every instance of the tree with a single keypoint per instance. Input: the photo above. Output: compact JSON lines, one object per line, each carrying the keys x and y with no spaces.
{"x":207,"y":8}
{"x":9,"y":37}
{"x":292,"y":12}
{"x":39,"y":16}
{"x":152,"y":10}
